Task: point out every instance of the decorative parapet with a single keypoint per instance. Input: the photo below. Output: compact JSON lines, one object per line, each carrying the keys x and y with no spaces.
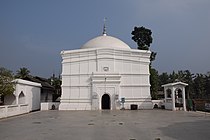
{"x":13,"y":110}
{"x":106,"y":77}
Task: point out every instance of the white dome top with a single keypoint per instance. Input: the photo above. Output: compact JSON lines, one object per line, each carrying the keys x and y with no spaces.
{"x":105,"y":41}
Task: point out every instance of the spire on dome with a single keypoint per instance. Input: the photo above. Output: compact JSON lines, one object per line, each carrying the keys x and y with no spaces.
{"x":104,"y":28}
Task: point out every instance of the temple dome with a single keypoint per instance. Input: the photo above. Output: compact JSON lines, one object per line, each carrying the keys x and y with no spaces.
{"x":105,"y":41}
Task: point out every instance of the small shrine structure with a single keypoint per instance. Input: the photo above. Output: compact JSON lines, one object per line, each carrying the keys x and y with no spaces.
{"x":175,"y":96}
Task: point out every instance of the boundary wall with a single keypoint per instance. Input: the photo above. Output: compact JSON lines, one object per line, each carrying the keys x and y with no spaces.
{"x":13,"y":110}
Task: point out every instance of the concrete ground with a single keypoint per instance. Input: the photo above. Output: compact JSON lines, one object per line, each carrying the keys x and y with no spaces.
{"x":107,"y":125}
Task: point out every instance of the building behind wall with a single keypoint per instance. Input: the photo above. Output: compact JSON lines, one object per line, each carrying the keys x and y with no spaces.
{"x":47,"y":90}
{"x":101,"y":73}
{"x":26,"y":92}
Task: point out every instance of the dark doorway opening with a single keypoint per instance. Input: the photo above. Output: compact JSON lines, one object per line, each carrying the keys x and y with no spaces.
{"x":105,"y":102}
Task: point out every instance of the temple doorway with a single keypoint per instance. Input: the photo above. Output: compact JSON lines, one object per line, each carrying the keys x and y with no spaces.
{"x":105,"y":102}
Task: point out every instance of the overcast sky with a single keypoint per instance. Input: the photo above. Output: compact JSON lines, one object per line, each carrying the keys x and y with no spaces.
{"x":32,"y":33}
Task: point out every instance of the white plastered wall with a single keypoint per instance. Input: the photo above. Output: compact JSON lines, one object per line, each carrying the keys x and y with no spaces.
{"x":31,"y":91}
{"x":78,"y":67}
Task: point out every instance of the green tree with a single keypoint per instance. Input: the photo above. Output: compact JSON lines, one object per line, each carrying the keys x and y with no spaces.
{"x":6,"y":84}
{"x":208,"y":84}
{"x":56,"y":83}
{"x":199,"y":85}
{"x":173,"y":77}
{"x":188,"y":78}
{"x":163,"y":79}
{"x":22,"y":73}
{"x":143,"y":37}
{"x":153,"y":56}
{"x":154,"y":81}
{"x":180,"y":76}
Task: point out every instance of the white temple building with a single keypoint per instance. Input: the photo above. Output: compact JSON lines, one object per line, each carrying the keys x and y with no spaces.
{"x":104,"y":72}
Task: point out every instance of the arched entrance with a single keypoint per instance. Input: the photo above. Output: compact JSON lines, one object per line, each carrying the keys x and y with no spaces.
{"x":21,"y":98}
{"x":105,"y":102}
{"x":178,"y":98}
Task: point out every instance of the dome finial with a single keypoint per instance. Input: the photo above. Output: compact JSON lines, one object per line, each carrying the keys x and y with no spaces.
{"x":104,"y":28}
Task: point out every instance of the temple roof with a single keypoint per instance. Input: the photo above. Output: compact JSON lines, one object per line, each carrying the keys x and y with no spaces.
{"x":105,"y":41}
{"x":174,"y":84}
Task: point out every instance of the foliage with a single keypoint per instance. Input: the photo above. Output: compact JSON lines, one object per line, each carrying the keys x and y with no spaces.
{"x":143,"y":37}
{"x":188,"y":78}
{"x":198,"y":85}
{"x":154,"y":81}
{"x":207,"y":84}
{"x":163,"y":78}
{"x":6,"y":84}
{"x":22,"y":73}
{"x":153,"y":56}
{"x":56,"y":83}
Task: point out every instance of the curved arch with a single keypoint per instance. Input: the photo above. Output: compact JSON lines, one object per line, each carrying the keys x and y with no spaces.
{"x":21,"y":98}
{"x":168,"y":93}
{"x":178,"y":98}
{"x":178,"y":92}
{"x":105,"y":102}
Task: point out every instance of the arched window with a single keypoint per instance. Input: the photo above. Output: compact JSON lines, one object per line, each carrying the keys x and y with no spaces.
{"x":178,"y":98}
{"x":168,"y":93}
{"x":178,"y":93}
{"x":21,"y":98}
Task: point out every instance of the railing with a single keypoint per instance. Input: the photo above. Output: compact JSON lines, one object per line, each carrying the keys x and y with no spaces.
{"x":50,"y":105}
{"x":12,"y":110}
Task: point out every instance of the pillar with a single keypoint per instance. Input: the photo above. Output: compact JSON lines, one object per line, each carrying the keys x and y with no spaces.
{"x":173,"y":99}
{"x":165,"y":93}
{"x":16,"y":93}
{"x":183,"y":98}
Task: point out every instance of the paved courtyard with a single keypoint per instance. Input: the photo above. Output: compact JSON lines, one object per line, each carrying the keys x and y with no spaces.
{"x":107,"y":125}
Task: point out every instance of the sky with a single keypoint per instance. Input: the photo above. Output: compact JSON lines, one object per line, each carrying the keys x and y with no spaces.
{"x":34,"y":32}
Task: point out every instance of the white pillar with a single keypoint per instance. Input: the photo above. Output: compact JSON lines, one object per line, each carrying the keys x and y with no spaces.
{"x":165,"y":93}
{"x":173,"y":99}
{"x":16,"y":93}
{"x":183,"y":98}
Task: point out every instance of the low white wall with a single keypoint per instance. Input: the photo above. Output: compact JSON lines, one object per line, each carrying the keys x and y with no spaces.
{"x":158,"y":102}
{"x":48,"y":105}
{"x":12,"y":110}
{"x":168,"y":106}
